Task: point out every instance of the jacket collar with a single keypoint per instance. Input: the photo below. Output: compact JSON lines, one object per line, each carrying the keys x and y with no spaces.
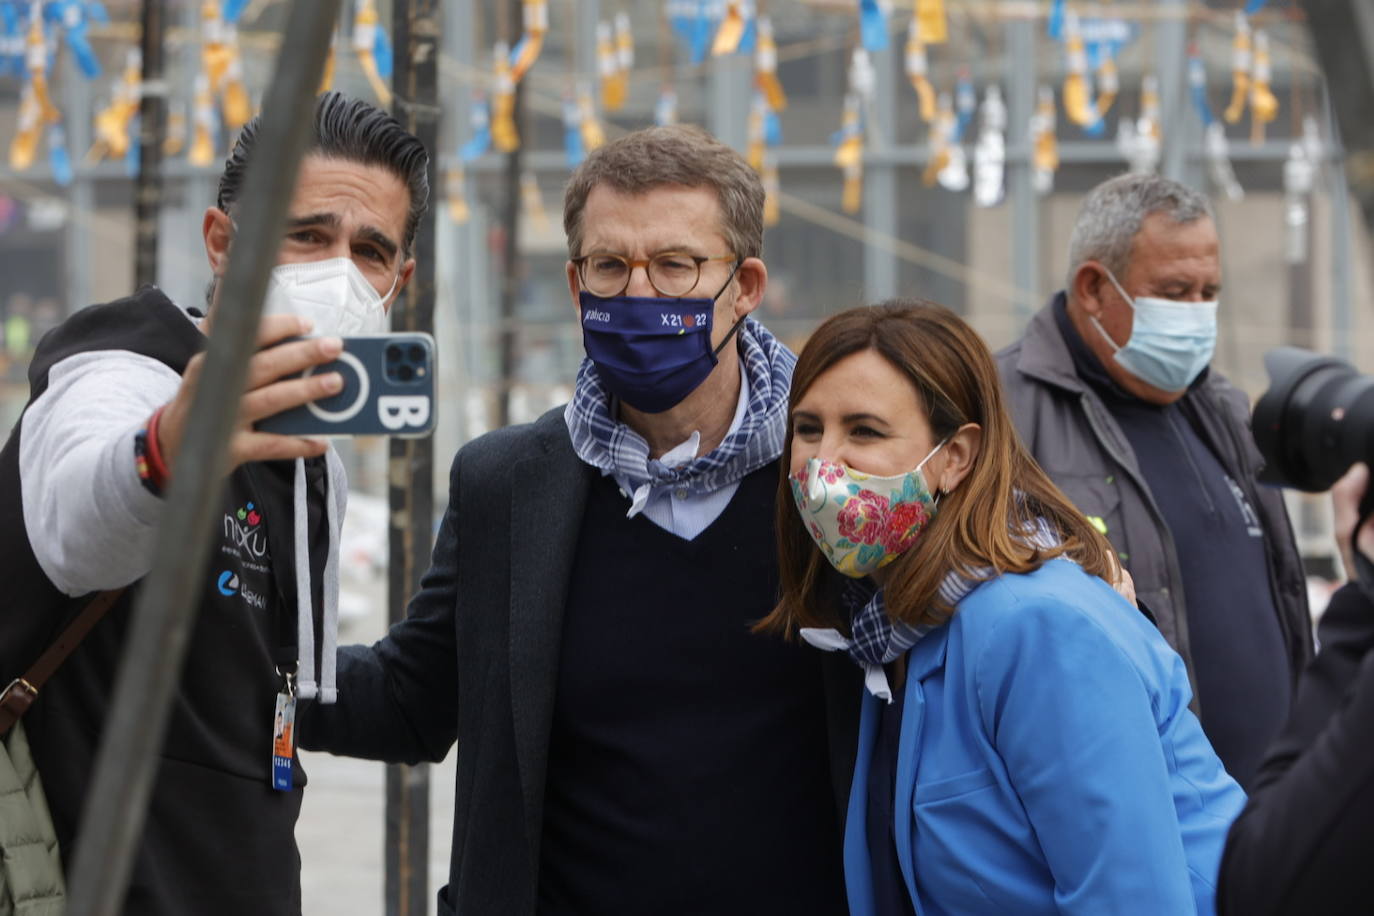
{"x":1044,"y":354}
{"x":548,"y":497}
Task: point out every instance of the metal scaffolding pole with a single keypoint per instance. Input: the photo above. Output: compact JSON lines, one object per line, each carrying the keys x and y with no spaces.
{"x":1025,"y":203}
{"x":411,"y":461}
{"x":165,"y":611}
{"x":880,"y":183}
{"x":510,"y":257}
{"x":152,"y":119}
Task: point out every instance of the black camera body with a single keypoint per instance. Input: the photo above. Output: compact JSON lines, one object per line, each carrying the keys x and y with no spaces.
{"x":1315,"y":421}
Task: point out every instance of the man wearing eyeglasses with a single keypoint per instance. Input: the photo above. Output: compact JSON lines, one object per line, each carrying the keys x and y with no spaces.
{"x":625,"y":744}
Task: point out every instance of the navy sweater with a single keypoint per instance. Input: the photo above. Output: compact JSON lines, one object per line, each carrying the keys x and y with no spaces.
{"x":688,"y":768}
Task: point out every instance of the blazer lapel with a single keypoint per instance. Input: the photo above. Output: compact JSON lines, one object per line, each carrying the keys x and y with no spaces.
{"x":548,"y":495}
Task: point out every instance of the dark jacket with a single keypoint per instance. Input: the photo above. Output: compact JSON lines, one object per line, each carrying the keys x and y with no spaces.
{"x":217,"y":839}
{"x":1073,"y":436}
{"x":1304,"y":841}
{"x":477,"y":658}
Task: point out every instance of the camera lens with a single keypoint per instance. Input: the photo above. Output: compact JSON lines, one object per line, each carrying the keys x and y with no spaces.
{"x":393,"y":353}
{"x":405,"y":373}
{"x":1315,"y":421}
{"x":416,"y":353}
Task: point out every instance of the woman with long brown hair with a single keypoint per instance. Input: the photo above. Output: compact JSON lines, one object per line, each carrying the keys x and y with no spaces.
{"x":1025,"y":743}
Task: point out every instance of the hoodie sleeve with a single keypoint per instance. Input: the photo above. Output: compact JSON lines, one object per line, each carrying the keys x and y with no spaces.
{"x":89,"y":520}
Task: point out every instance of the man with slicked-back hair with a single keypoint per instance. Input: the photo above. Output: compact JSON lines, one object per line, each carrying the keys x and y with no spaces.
{"x":81,"y":484}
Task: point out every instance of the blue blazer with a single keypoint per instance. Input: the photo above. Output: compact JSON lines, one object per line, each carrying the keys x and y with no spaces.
{"x":1047,"y":762}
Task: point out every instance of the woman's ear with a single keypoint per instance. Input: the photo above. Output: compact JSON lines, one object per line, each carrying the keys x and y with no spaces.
{"x":960,"y":451}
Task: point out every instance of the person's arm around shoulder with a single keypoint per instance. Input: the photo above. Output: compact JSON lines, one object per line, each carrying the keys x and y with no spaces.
{"x":1071,"y":716}
{"x":1301,"y":843}
{"x":89,"y":512}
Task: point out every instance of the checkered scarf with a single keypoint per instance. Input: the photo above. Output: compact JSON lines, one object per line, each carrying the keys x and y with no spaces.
{"x":605,"y":443}
{"x":876,"y":639}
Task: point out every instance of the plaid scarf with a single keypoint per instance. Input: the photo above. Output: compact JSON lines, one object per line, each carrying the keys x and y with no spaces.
{"x":876,"y":639}
{"x":604,"y":442}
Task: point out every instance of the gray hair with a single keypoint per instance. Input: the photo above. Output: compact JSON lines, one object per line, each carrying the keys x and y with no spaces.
{"x":1111,"y":216}
{"x":682,"y":155}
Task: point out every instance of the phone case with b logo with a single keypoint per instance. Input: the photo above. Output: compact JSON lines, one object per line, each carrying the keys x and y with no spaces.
{"x":388,"y":391}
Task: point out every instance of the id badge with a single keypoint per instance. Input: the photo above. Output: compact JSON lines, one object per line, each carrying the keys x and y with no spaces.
{"x":283,"y":741}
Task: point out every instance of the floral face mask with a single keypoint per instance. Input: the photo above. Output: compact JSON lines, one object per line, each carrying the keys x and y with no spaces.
{"x":862,"y":522}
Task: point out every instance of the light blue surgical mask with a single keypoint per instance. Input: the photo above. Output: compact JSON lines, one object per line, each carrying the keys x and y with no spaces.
{"x":1171,"y":342}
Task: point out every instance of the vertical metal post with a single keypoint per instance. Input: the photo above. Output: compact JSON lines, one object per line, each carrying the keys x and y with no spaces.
{"x":152,"y":129}
{"x":76,"y":101}
{"x":1171,"y":52}
{"x":1025,"y":204}
{"x":410,"y":471}
{"x":1341,"y":231}
{"x":168,"y":599}
{"x":880,"y":181}
{"x":730,"y":98}
{"x":510,"y":259}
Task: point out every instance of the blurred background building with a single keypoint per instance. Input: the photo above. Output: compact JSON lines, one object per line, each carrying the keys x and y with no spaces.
{"x":931,"y":148}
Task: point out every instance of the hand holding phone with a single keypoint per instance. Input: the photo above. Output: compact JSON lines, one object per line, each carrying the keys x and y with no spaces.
{"x":388,"y":390}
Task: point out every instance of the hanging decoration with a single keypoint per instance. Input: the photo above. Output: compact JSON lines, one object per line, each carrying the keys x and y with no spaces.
{"x":614,"y":82}
{"x":532,"y":202}
{"x":1044,"y":143}
{"x":204,"y":124}
{"x":1240,"y":70}
{"x":665,"y":109}
{"x":29,"y":130}
{"x":918,"y":71}
{"x":872,"y":25}
{"x":1299,"y":176}
{"x":504,"y":135}
{"x":692,"y":21}
{"x":327,"y":78}
{"x":771,"y":190}
{"x":238,"y":108}
{"x":593,"y":136}
{"x":573,"y":149}
{"x":1139,"y":141}
{"x":941,"y":130}
{"x":373,"y":48}
{"x":730,"y":33}
{"x":75,"y":17}
{"x":1108,"y":86}
{"x":932,"y":25}
{"x":766,"y":66}
{"x":849,"y":152}
{"x":216,"y":44}
{"x":953,"y":174}
{"x":990,"y":152}
{"x":531,"y":43}
{"x":479,"y":122}
{"x":756,"y":142}
{"x":456,"y":194}
{"x":1264,"y":105}
{"x":1077,"y":91}
{"x":59,"y":157}
{"x":174,"y":142}
{"x":1215,"y":147}
{"x":11,"y":42}
{"x":114,"y":122}
{"x":965,"y":105}
{"x":36,"y":66}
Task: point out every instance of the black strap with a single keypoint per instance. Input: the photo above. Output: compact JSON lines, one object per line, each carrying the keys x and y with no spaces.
{"x":19,"y":695}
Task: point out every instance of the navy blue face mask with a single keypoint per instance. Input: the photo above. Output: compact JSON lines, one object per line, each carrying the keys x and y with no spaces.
{"x":650,"y":352}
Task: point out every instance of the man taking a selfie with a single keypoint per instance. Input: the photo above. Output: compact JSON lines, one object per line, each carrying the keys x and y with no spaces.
{"x":81,"y":484}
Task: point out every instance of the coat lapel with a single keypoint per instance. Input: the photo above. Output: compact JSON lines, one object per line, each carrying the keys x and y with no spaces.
{"x":548,"y":495}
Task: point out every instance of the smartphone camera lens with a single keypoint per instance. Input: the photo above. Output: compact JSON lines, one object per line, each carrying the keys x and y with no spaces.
{"x":405,"y":373}
{"x":416,"y":353}
{"x":393,"y":354}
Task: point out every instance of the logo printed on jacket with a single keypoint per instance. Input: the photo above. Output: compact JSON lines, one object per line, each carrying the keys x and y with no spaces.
{"x":229,"y":585}
{"x":244,"y":535}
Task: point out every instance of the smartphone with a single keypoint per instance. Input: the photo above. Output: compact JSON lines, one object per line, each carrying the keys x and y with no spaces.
{"x":388,"y":390}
